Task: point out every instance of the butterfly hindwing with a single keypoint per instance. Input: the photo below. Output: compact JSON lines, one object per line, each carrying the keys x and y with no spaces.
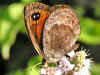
{"x":60,"y":34}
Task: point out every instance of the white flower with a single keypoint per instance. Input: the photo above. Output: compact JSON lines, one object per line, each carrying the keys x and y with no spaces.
{"x":72,"y":53}
{"x":43,"y":71}
{"x":58,"y":72}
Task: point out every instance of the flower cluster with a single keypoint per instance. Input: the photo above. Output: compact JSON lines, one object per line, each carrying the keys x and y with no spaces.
{"x":76,"y":64}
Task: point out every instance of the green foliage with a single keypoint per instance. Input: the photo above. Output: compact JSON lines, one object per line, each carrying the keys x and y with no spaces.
{"x":95,"y":70}
{"x":90,"y":31}
{"x":11,"y":23}
{"x":28,"y":1}
{"x":33,"y":67}
{"x":97,"y":9}
{"x":16,"y":73}
{"x":79,"y":10}
{"x":90,"y":28}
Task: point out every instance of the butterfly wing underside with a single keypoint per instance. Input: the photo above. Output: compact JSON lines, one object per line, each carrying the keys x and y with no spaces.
{"x":60,"y":33}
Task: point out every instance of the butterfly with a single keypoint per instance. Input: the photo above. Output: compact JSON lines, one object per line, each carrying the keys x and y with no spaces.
{"x":57,"y":28}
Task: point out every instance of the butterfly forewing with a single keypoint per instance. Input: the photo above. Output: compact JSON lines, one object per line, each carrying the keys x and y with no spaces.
{"x":35,"y":15}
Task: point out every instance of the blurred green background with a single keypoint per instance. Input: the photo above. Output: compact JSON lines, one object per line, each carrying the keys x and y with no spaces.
{"x":17,"y":55}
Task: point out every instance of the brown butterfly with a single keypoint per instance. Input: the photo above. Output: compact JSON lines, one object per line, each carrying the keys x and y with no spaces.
{"x":57,"y":28}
